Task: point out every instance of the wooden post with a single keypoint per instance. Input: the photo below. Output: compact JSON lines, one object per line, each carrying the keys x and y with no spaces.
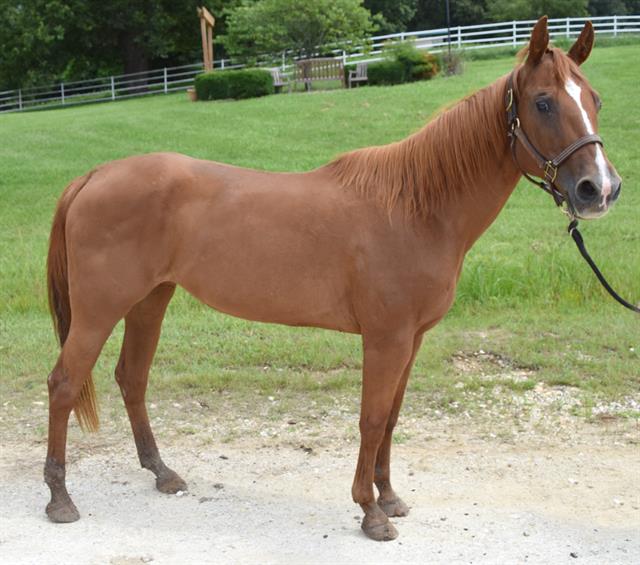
{"x":207,"y":21}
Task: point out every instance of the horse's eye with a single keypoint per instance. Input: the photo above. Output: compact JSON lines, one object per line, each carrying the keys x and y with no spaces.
{"x":543,"y":106}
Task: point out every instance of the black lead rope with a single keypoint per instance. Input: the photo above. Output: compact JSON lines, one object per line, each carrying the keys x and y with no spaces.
{"x":577,"y":237}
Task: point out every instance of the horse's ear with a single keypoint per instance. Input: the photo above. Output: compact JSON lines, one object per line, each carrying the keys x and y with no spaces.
{"x":539,"y":41}
{"x":582,"y":47}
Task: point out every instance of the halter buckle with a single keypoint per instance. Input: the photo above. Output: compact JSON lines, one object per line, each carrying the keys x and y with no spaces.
{"x":514,"y":125}
{"x":550,"y":171}
{"x":510,"y":102}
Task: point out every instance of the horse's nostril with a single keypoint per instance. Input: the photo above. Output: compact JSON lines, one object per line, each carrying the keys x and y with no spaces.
{"x":616,"y":192}
{"x":587,"y":191}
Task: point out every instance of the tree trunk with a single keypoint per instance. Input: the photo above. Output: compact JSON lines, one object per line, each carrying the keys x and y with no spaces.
{"x":135,"y":60}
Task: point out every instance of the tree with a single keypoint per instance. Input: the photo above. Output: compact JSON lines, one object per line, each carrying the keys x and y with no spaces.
{"x":613,"y":7}
{"x":392,"y":16}
{"x":299,"y":26}
{"x":431,"y":14}
{"x":54,"y":40}
{"x":505,"y":10}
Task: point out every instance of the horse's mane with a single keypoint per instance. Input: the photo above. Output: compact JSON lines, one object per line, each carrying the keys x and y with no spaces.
{"x":442,"y":159}
{"x":424,"y":170}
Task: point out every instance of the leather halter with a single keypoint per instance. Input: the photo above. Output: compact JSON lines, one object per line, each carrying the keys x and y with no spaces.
{"x":548,"y":166}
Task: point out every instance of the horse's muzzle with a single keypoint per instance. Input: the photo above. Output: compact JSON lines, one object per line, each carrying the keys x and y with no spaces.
{"x":591,"y":198}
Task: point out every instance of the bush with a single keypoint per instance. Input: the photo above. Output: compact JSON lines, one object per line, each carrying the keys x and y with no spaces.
{"x":386,"y":72}
{"x":212,"y":86}
{"x":244,"y":83}
{"x":418,"y":65}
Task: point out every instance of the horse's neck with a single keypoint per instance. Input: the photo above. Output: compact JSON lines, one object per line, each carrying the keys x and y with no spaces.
{"x":476,"y":206}
{"x":474,"y":211}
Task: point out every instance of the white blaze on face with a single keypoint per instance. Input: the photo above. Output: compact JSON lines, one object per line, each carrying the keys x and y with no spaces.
{"x":575,"y":92}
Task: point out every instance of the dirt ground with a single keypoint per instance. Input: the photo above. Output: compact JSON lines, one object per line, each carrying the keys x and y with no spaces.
{"x":278,"y":491}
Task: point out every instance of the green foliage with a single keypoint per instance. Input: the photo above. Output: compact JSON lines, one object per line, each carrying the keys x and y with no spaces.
{"x":392,"y":16}
{"x":238,"y":84}
{"x":386,"y":73}
{"x":504,"y":10}
{"x":611,"y":7}
{"x":432,"y":13}
{"x":43,"y":41}
{"x":297,"y":26}
{"x":418,"y":65}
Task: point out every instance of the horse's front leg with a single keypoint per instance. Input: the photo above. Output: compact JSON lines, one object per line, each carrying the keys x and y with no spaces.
{"x":386,"y":356}
{"x":390,"y":503}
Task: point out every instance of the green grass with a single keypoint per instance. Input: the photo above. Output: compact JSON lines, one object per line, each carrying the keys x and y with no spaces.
{"x":525,"y":294}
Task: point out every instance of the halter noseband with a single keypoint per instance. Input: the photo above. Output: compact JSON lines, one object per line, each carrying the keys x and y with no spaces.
{"x":549,"y":166}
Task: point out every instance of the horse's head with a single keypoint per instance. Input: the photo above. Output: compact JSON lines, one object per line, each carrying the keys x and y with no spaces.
{"x":556,"y":108}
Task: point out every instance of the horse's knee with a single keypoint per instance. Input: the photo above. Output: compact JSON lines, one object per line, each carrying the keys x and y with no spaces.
{"x":372,"y":428}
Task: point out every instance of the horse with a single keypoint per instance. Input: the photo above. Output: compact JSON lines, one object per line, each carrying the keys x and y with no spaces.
{"x":371,"y":243}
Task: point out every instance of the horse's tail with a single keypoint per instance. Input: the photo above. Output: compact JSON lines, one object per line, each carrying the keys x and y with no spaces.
{"x":59,"y":305}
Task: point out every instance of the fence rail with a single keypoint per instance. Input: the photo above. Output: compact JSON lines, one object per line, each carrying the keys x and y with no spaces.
{"x":171,"y":79}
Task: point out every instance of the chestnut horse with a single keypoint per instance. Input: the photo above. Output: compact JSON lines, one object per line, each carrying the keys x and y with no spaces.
{"x":371,"y":243}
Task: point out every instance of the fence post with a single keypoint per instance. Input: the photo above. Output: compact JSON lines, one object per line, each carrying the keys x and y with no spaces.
{"x":62,"y":92}
{"x":222,"y":64}
{"x":344,"y":57}
{"x":19,"y":99}
{"x":283,"y":62}
{"x":459,"y":37}
{"x":615,"y":26}
{"x":113,"y":89}
{"x":515,"y":35}
{"x":164,"y":74}
{"x":568,"y":27}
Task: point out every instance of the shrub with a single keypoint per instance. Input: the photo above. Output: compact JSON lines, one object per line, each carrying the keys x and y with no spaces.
{"x":386,"y":72}
{"x":212,"y":86}
{"x":418,"y":65}
{"x":426,"y":69}
{"x":243,"y":83}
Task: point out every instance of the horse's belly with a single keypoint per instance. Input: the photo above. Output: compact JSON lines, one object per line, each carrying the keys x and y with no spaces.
{"x":273,"y":276}
{"x":296,"y":300}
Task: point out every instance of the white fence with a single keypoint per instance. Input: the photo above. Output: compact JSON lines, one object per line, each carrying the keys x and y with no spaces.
{"x":163,"y":81}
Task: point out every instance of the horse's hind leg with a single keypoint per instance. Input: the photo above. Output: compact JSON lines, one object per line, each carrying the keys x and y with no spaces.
{"x":77,"y":358}
{"x":385,"y":359}
{"x":390,"y":503}
{"x":141,"y":334}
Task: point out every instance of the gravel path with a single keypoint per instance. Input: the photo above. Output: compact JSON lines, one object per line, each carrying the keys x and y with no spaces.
{"x":263,"y":500}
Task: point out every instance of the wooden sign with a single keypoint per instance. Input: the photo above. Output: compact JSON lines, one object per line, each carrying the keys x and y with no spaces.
{"x":207,"y":21}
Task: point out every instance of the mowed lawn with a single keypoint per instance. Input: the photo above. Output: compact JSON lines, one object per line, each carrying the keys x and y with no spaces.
{"x":526,"y":297}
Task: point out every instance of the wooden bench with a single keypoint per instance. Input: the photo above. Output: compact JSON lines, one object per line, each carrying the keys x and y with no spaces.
{"x":359,"y":74}
{"x":309,"y":71}
{"x":279,"y":79}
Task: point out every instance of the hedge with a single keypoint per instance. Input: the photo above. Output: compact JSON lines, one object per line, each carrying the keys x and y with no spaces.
{"x":386,"y":72}
{"x":243,"y":83}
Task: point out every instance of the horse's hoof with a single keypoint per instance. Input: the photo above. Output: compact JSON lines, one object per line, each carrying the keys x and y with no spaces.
{"x":62,"y":512}
{"x":170,"y":483}
{"x":382,"y":531}
{"x":394,"y":508}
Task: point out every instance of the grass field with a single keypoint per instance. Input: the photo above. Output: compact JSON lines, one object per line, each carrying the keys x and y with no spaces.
{"x":526,"y":298}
